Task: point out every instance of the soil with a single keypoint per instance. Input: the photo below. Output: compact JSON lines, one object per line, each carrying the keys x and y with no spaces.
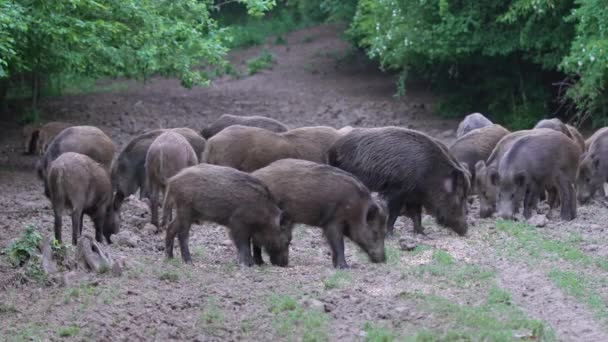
{"x":317,"y":80}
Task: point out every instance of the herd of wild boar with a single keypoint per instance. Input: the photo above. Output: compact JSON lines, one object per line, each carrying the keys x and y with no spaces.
{"x":259,"y":178}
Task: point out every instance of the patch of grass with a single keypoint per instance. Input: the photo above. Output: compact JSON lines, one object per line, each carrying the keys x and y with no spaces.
{"x":443,"y":266}
{"x":420,"y":249}
{"x":336,"y":280}
{"x":198,"y":251}
{"x":496,"y":319}
{"x":22,"y":249}
{"x":83,"y":291}
{"x":6,"y":308}
{"x":296,"y":322}
{"x":253,"y":31}
{"x":264,"y":61}
{"x":31,"y":332}
{"x":211,"y":316}
{"x":393,"y":255}
{"x":527,"y":239}
{"x":69,"y":331}
{"x":375,"y":333}
{"x":169,"y":275}
{"x":581,"y":288}
{"x":280,"y":40}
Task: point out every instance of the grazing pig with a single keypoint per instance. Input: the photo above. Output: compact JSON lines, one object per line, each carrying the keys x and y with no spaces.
{"x":312,"y":143}
{"x":168,"y":154}
{"x":577,"y":137}
{"x":477,"y":145}
{"x":593,"y":167}
{"x":407,"y":168}
{"x":80,"y":184}
{"x":327,"y":197}
{"x":87,"y":140}
{"x":231,"y":198}
{"x":536,"y":162}
{"x":227,"y":120}
{"x":128,"y":170}
{"x":471,"y":122}
{"x":554,"y":124}
{"x":30,"y":134}
{"x":47,"y":133}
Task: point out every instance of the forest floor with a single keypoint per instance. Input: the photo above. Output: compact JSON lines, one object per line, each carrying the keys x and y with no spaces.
{"x":505,"y":280}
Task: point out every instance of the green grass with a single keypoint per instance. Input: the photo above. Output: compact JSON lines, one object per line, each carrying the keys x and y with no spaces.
{"x":254,"y":31}
{"x":376,"y":333}
{"x":581,"y":288}
{"x":336,"y":280}
{"x":82,"y":292}
{"x":535,"y":245}
{"x":264,"y":61}
{"x":211,"y":316}
{"x":393,"y":255}
{"x":495,"y":319}
{"x":69,"y":331}
{"x":31,"y":332}
{"x":293,"y":322}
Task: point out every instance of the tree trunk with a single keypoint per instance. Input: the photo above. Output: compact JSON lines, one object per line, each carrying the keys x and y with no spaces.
{"x":3,"y":92}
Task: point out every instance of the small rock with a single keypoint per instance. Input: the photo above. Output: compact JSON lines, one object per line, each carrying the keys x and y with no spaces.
{"x":126,"y":238}
{"x":314,"y":304}
{"x":328,"y":307}
{"x":407,"y":244}
{"x":149,"y":229}
{"x":116,"y":269}
{"x":538,"y":220}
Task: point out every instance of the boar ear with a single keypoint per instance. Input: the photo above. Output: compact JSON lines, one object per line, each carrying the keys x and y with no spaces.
{"x":596,"y":163}
{"x":285,"y":220}
{"x":372,"y":212}
{"x":520,"y":179}
{"x":494,"y":177}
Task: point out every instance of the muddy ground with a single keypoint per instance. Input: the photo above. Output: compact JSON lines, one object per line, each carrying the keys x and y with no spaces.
{"x":503,"y":281}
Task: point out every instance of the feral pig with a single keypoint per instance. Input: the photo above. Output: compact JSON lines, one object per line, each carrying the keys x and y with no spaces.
{"x":29,"y":133}
{"x":471,"y":122}
{"x":312,"y":143}
{"x":327,"y":197}
{"x":227,"y":120}
{"x":577,"y":137}
{"x":594,"y":136}
{"x":477,"y":145}
{"x":128,"y":170}
{"x":47,"y":133}
{"x":87,"y":140}
{"x":593,"y":167}
{"x":247,"y":148}
{"x":230,"y":198}
{"x":554,"y":124}
{"x":168,"y":154}
{"x":407,"y":168}
{"x":534,"y":163}
{"x":78,"y":183}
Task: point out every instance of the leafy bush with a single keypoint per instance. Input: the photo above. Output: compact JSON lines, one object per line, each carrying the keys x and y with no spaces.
{"x":264,"y":61}
{"x":22,"y":249}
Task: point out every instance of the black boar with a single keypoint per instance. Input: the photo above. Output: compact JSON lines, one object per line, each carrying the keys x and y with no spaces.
{"x":87,"y":140}
{"x":231,"y":198}
{"x":594,"y":167}
{"x":407,"y":168}
{"x":29,"y":133}
{"x":227,"y":120}
{"x":327,"y":197}
{"x":536,"y":162}
{"x":471,"y":122}
{"x":128,"y":170}
{"x":78,"y":183}
{"x":168,"y":154}
{"x":477,"y":145}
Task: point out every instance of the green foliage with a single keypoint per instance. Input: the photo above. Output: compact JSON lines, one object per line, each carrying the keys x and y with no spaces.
{"x":264,"y":61}
{"x":253,"y":31}
{"x":296,"y":322}
{"x":374,"y":333}
{"x":24,"y":248}
{"x":69,"y":331}
{"x":581,"y":288}
{"x":336,"y":280}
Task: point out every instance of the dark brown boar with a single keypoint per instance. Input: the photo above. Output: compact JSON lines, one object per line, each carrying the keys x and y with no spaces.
{"x":227,"y":120}
{"x":471,"y":122}
{"x":230,"y":198}
{"x":593,"y":167}
{"x":534,"y":163}
{"x":407,"y":168}
{"x":168,"y":154}
{"x":327,"y":197}
{"x":80,"y":184}
{"x":29,"y":134}
{"x":128,"y":170}
{"x":247,"y":148}
{"x":477,"y":145}
{"x":87,"y":140}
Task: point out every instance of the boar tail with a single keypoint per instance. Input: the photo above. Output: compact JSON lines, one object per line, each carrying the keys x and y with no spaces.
{"x":167,"y":206}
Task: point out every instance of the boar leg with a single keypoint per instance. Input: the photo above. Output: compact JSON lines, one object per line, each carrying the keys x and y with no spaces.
{"x":257,"y":255}
{"x":414,"y":212}
{"x":154,"y":206}
{"x":184,"y":237}
{"x":241,"y":237}
{"x":172,"y":230}
{"x":395,"y":203}
{"x":76,"y":225}
{"x":58,"y":224}
{"x":530,"y":201}
{"x":335,"y":238}
{"x":98,"y":221}
{"x":567,"y":198}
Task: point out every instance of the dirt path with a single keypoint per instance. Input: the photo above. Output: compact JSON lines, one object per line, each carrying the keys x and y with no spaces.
{"x":502,"y":281}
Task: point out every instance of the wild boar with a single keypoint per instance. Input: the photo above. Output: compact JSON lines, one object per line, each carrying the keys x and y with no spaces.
{"x":227,"y":120}
{"x":408,"y":168}
{"x":128,"y":170}
{"x":577,"y":137}
{"x":554,"y":124}
{"x":168,"y":154}
{"x":471,"y":122}
{"x":477,"y":145}
{"x":29,"y":133}
{"x":593,"y":167}
{"x":327,"y":197}
{"x":312,"y":143}
{"x":80,"y":184}
{"x":230,"y":198}
{"x":87,"y":140}
{"x":47,"y":133}
{"x":534,"y":163}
